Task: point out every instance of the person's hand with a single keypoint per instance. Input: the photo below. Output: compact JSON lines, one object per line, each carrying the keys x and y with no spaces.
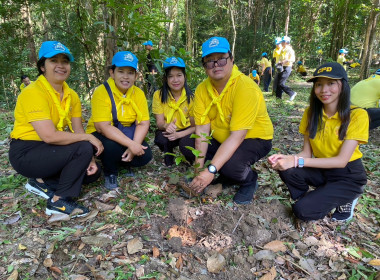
{"x":92,"y":168}
{"x":200,"y":182}
{"x":133,"y":150}
{"x":171,"y":128}
{"x":171,"y":136}
{"x":281,"y":162}
{"x":96,"y":143}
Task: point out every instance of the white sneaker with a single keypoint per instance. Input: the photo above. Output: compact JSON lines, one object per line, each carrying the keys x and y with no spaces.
{"x":293,"y":96}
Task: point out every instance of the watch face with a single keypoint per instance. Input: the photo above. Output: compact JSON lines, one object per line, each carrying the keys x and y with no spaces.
{"x":212,"y":169}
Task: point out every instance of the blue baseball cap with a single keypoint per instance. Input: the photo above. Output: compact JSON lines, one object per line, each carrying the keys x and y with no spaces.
{"x":215,"y":45}
{"x":264,"y":54}
{"x":174,"y":62}
{"x":254,"y":73}
{"x":377,"y":72}
{"x":148,"y":43}
{"x":278,"y":40}
{"x":285,"y":39}
{"x":299,"y":62}
{"x":343,"y":51}
{"x":51,"y":48}
{"x":122,"y":59}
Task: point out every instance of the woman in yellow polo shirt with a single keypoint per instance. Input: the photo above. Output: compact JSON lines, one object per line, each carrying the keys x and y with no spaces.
{"x":173,"y":109}
{"x":57,"y":162}
{"x":266,"y":72}
{"x":330,"y":159}
{"x":120,"y":119}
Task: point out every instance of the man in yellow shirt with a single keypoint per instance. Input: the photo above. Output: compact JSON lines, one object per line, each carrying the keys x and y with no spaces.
{"x":255,"y":77}
{"x":231,"y":106}
{"x":276,"y":58}
{"x":266,"y":71}
{"x":25,"y":81}
{"x":287,"y":58}
{"x":301,"y":69}
{"x":366,"y":94}
{"x":342,"y":59}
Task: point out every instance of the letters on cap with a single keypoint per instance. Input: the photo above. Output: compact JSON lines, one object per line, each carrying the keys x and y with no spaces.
{"x":327,"y":69}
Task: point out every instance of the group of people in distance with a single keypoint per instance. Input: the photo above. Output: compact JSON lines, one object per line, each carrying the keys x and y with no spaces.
{"x":284,"y":57}
{"x":228,"y":106}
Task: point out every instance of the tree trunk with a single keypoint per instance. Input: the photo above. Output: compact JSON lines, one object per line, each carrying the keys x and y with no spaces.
{"x":287,"y":16}
{"x":110,"y":40}
{"x":25,"y":13}
{"x":369,"y":38}
{"x":232,"y":11}
{"x":189,"y":29}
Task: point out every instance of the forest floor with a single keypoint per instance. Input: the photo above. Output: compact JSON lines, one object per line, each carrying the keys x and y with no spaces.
{"x":148,"y":230}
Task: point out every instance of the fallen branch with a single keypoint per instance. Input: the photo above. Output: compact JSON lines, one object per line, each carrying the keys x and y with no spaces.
{"x":238,"y":222}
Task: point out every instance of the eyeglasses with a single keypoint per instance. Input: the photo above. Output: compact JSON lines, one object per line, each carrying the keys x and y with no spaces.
{"x":220,"y":62}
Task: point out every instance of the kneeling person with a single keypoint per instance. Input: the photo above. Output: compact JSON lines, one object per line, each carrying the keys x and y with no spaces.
{"x":120,"y":118}
{"x":232,"y":106}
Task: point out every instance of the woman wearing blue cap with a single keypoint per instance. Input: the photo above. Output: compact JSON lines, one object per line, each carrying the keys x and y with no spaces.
{"x":57,"y":161}
{"x":266,"y":71}
{"x":255,"y":77}
{"x":120,"y":118}
{"x":173,"y":109}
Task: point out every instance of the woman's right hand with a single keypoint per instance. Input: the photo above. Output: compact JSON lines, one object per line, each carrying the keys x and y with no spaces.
{"x":96,"y":143}
{"x":171,"y":128}
{"x":281,"y":162}
{"x":135,"y":149}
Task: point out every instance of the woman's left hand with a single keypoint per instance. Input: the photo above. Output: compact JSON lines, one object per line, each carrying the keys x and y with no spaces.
{"x":92,"y":168}
{"x":281,"y":162}
{"x":200,"y":182}
{"x":171,"y":136}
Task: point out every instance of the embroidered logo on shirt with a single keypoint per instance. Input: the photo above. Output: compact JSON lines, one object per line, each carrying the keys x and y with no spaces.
{"x":173,"y":61}
{"x":128,"y":57}
{"x":214,"y":42}
{"x":59,"y":47}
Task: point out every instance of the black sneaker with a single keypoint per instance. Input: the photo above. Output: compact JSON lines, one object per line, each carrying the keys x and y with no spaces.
{"x":41,"y":189}
{"x":65,"y":206}
{"x":245,"y":193}
{"x":344,"y":212}
{"x":110,"y":182}
{"x":168,"y":160}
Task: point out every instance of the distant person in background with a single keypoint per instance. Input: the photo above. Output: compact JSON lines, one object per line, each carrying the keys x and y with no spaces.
{"x":25,"y":81}
{"x":286,"y":60}
{"x":49,"y":145}
{"x":266,"y":71}
{"x":354,"y":64}
{"x":254,"y":76}
{"x":173,"y":108}
{"x":275,"y":62}
{"x":151,"y":68}
{"x":342,"y":58}
{"x":301,"y":69}
{"x":366,"y":94}
{"x":120,"y":119}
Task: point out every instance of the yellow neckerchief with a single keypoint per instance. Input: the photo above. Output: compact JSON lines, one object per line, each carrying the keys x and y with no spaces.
{"x":217,"y":98}
{"x":125,"y":98}
{"x":63,"y":114}
{"x":175,"y":106}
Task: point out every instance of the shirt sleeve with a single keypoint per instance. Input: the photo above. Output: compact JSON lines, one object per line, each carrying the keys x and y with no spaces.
{"x":101,"y":105}
{"x":199,"y":105}
{"x":35,"y":105}
{"x":358,"y":129}
{"x":76,"y":105}
{"x":303,"y":125}
{"x":157,"y":107}
{"x":142,"y":104}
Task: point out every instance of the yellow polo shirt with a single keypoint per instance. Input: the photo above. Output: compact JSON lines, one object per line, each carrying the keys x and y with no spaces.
{"x":159,"y":108}
{"x":266,"y":62}
{"x":101,"y":106}
{"x":256,"y":78}
{"x":287,"y":53}
{"x":341,"y":60}
{"x":36,"y":104}
{"x":326,"y":142}
{"x":276,"y":53}
{"x":22,"y":86}
{"x":301,"y":69}
{"x":243,"y":107}
{"x":366,"y":93}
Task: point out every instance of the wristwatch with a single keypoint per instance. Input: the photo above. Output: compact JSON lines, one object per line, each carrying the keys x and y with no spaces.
{"x":301,"y":162}
{"x":212,"y":169}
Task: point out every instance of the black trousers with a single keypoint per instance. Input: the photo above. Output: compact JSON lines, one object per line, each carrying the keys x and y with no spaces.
{"x":167,"y":146}
{"x":267,"y":78}
{"x":61,"y":167}
{"x":111,"y":156}
{"x":374,"y":117}
{"x":238,"y":167}
{"x":282,"y":78}
{"x":333,"y":187}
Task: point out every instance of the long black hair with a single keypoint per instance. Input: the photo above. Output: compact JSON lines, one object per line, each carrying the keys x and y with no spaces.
{"x":165,"y":89}
{"x":316,"y":106}
{"x":41,"y":63}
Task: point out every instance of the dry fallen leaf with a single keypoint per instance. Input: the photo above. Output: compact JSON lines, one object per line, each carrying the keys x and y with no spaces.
{"x":132,"y":197}
{"x":275,"y":246}
{"x":156,"y":252}
{"x":48,"y":262}
{"x":55,"y":269}
{"x":179,"y":263}
{"x":21,"y":247}
{"x":14,"y":275}
{"x":270,"y":275}
{"x":375,"y":262}
{"x":377,"y":236}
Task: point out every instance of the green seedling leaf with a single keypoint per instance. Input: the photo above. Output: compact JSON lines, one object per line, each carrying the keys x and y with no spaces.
{"x":153,"y":187}
{"x":250,"y":250}
{"x":178,"y":160}
{"x":194,"y":136}
{"x":354,"y":252}
{"x":10,"y":268}
{"x":275,"y":197}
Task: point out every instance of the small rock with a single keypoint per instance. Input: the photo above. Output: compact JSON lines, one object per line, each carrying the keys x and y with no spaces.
{"x":216,"y":263}
{"x":311,"y":241}
{"x":265,"y":255}
{"x":48,"y":262}
{"x":134,"y":246}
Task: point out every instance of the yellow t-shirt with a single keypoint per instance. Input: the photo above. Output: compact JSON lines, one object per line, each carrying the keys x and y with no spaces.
{"x":22,"y":86}
{"x":266,"y":62}
{"x":301,"y":69}
{"x":326,"y":142}
{"x":287,"y":53}
{"x":341,"y":60}
{"x":164,"y":108}
{"x":243,"y":107}
{"x":36,"y":104}
{"x":276,"y":53}
{"x":101,"y":106}
{"x":366,"y":93}
{"x":256,"y":78}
